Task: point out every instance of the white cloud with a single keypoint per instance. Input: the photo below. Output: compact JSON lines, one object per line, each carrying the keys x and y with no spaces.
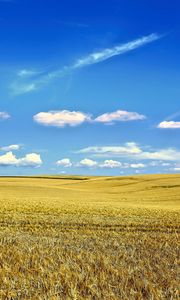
{"x":169,"y":125}
{"x":127,"y":148}
{"x":92,"y":58}
{"x":73,"y":118}
{"x":105,"y":54}
{"x":159,"y":163}
{"x":165,"y":164}
{"x":24,"y":73}
{"x":61,"y":118}
{"x":119,"y":115}
{"x":10,"y":147}
{"x":176,"y":169}
{"x":86,"y":162}
{"x":30,"y":160}
{"x":8,"y":159}
{"x":65,"y":162}
{"x":4,"y":115}
{"x":116,"y":164}
{"x":137,"y":172}
{"x":137,"y":166}
{"x":109,"y":163}
{"x":23,"y":88}
{"x":154,"y":163}
{"x":133,"y":165}
{"x":133,"y":151}
{"x":162,"y":154}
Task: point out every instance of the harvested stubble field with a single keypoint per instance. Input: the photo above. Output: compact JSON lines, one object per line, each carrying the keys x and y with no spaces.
{"x":89,"y":237}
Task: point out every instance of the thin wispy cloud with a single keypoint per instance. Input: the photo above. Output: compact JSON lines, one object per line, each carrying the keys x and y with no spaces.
{"x":105,"y":54}
{"x":21,"y":87}
{"x":10,"y":147}
{"x":4,"y":115}
{"x":25,"y":73}
{"x":132,"y":150}
{"x":72,"y":24}
{"x":173,"y":116}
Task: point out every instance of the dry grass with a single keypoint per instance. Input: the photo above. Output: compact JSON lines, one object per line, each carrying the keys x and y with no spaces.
{"x":89,"y":238}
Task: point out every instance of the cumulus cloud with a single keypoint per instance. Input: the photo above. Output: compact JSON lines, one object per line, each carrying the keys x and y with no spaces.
{"x":86,"y":162}
{"x":110,"y":163}
{"x":4,"y":115}
{"x":11,"y":147}
{"x":8,"y":159}
{"x":65,"y":162}
{"x":169,"y":125}
{"x":119,"y":116}
{"x":117,"y":164}
{"x":29,"y":160}
{"x":133,"y":151}
{"x":61,"y":118}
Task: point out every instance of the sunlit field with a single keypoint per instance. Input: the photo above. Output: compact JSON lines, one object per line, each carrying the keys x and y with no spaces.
{"x":89,"y":237}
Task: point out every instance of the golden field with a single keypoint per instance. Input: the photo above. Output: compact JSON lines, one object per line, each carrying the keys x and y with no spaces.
{"x":89,"y":237}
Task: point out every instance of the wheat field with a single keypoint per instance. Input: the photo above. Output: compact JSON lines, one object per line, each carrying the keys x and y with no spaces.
{"x":75,"y":237}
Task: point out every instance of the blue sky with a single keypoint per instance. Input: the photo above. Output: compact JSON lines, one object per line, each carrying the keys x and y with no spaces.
{"x":89,"y":87}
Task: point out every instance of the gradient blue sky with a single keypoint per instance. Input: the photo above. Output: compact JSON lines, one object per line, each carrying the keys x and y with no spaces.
{"x":54,"y":61}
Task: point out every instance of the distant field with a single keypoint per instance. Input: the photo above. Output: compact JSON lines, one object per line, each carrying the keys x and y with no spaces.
{"x":89,"y":237}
